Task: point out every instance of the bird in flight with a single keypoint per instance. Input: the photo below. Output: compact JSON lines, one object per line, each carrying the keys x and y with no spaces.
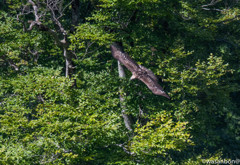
{"x":138,"y":71}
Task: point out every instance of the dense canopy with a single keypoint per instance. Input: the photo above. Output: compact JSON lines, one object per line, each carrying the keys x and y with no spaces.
{"x":65,"y":100}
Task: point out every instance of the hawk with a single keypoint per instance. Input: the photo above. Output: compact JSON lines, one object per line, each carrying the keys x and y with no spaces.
{"x":138,"y":71}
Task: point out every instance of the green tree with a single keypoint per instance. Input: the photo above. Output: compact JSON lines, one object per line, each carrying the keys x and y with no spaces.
{"x":60,"y":86}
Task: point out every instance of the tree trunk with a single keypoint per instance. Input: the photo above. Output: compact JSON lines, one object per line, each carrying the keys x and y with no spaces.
{"x":127,"y":118}
{"x":68,"y":62}
{"x":59,"y":33}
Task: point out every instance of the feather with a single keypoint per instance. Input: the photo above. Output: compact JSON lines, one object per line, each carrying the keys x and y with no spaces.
{"x":153,"y":86}
{"x":138,"y":71}
{"x":149,"y":72}
{"x":121,"y":56}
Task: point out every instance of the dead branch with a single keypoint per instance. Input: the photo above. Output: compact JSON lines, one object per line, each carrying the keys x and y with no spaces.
{"x":10,"y":62}
{"x":212,"y":3}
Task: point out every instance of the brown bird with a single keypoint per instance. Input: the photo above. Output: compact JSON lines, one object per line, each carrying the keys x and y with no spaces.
{"x":138,"y":71}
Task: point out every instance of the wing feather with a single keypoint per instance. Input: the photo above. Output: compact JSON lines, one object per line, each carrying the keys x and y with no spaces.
{"x":153,"y":86}
{"x":142,"y":73}
{"x":121,"y":56}
{"x":149,"y":72}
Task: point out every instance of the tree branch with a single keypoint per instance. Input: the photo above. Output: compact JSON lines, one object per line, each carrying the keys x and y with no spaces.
{"x":212,"y":3}
{"x":127,"y":118}
{"x":125,"y":149}
{"x":10,"y":62}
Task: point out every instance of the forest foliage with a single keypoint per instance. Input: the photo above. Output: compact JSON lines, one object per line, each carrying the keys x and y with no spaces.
{"x":60,"y":89}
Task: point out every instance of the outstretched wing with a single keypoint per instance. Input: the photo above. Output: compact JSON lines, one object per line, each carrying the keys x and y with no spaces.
{"x":121,"y":56}
{"x":149,"y":72}
{"x":153,"y":85}
{"x":138,"y":71}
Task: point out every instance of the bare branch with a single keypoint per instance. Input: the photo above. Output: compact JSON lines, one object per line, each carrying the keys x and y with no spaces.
{"x":39,"y":9}
{"x":63,"y":31}
{"x":212,"y":9}
{"x":212,"y":3}
{"x":40,"y":98}
{"x":65,"y":8}
{"x":125,"y":149}
{"x":35,"y":10}
{"x":10,"y":62}
{"x":35,"y":54}
{"x":37,"y":21}
{"x":86,"y":50}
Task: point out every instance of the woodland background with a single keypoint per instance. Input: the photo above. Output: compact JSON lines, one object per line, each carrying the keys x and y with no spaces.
{"x":60,"y":88}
